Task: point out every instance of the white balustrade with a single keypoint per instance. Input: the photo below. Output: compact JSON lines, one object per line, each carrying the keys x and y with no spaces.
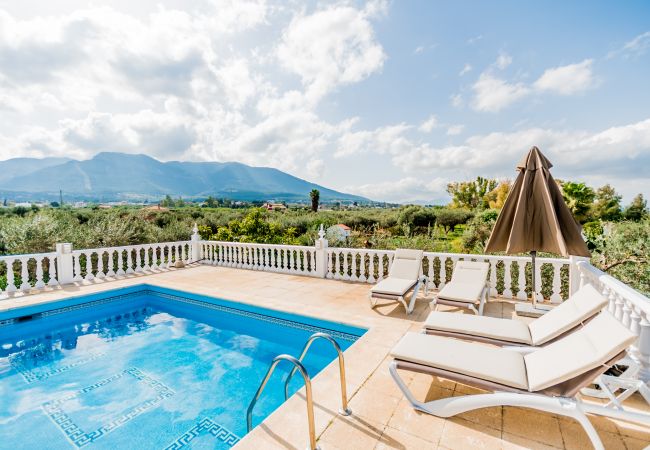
{"x":27,"y":273}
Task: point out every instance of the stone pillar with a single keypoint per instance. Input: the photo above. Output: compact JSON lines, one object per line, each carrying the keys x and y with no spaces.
{"x":196,"y":245}
{"x":574,"y":273}
{"x":64,"y":263}
{"x":321,"y":254}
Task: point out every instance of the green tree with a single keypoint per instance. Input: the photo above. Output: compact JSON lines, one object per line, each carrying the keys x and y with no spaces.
{"x":417,"y":216}
{"x":637,"y":210}
{"x":478,"y":231}
{"x":624,"y":252}
{"x":450,"y":218}
{"x":314,"y":195}
{"x":579,"y":198}
{"x":168,"y":201}
{"x":211,"y":202}
{"x":471,"y":194}
{"x":54,"y":204}
{"x":496,"y":198}
{"x":607,"y":206}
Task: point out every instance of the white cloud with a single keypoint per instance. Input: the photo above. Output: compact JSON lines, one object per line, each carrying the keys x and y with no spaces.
{"x":503,"y":61}
{"x":493,"y":94}
{"x":473,"y":40}
{"x":466,"y":69}
{"x":428,"y":125}
{"x":567,"y":80}
{"x":456,"y":100}
{"x":636,"y":47}
{"x":419,"y":49}
{"x":331,"y":47}
{"x":454,"y":130}
{"x":405,"y":190}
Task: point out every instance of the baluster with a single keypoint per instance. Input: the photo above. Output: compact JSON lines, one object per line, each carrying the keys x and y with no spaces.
{"x":442,"y":271}
{"x":100,"y":265}
{"x":371,"y":267}
{"x":507,"y":279}
{"x":336,"y":266}
{"x":521,"y":293}
{"x":39,"y":284}
{"x":128,"y":260}
{"x":24,"y":275}
{"x":89,"y":266}
{"x":110,"y":272}
{"x":11,"y":287}
{"x":618,"y":306}
{"x":54,"y":279}
{"x":147,"y":258}
{"x":556,"y":296}
{"x":355,"y":270}
{"x":77,"y":267}
{"x":346,"y":264}
{"x":120,"y":262}
{"x":138,"y":259}
{"x":493,"y":277}
{"x":184,"y":253}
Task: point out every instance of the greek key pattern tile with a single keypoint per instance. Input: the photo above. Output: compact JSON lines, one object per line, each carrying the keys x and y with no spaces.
{"x":206,"y":425}
{"x":80,"y":437}
{"x":284,"y":322}
{"x":17,"y":361}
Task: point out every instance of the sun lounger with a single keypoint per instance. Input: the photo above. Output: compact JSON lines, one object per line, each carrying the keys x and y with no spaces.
{"x":467,"y":288}
{"x":547,"y":379}
{"x":405,"y":274}
{"x":564,"y":318}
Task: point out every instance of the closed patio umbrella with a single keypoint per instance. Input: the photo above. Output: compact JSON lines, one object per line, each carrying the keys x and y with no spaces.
{"x":534,"y":217}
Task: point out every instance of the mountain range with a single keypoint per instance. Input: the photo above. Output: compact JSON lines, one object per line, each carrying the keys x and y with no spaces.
{"x":120,"y":176}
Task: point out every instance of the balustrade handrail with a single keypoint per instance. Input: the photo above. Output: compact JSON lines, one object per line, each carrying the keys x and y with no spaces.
{"x":27,"y":255}
{"x":638,"y":299}
{"x":258,"y":244}
{"x":124,"y":247}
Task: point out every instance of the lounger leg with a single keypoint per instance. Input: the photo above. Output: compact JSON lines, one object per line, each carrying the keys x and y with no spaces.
{"x":451,"y":406}
{"x":411,"y":304}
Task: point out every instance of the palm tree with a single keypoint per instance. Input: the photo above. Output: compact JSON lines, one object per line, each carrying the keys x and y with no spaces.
{"x":315,"y":198}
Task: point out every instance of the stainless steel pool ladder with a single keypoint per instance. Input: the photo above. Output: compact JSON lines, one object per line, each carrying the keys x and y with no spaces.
{"x":345,"y":410}
{"x":298,"y":366}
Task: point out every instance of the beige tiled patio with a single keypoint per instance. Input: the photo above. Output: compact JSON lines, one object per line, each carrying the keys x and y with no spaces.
{"x":382,"y":418}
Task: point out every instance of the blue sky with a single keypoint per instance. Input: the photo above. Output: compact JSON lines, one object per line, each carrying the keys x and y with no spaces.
{"x":391,"y":100}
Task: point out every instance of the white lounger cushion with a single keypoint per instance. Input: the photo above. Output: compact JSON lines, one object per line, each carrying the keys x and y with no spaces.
{"x":467,"y":282}
{"x":468,"y":358}
{"x":406,"y":264}
{"x":596,"y":343}
{"x":462,"y":292}
{"x":582,"y":305}
{"x":593,"y":345}
{"x":393,"y":286}
{"x":507,"y":330}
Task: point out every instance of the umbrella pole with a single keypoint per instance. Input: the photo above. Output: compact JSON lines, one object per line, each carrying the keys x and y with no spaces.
{"x":533,"y":254}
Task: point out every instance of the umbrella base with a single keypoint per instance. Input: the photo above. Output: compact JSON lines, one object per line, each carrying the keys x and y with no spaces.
{"x":528,"y":310}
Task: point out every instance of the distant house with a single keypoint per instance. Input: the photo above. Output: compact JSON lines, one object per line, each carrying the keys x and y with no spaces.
{"x":104,"y":206}
{"x":274,"y":206}
{"x":338,"y":233}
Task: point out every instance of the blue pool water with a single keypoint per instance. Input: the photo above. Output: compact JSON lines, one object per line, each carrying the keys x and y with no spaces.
{"x":146,"y":367}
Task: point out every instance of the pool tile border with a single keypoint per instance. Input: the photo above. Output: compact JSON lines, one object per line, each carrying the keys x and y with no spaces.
{"x":76,"y":435}
{"x":205,"y":425}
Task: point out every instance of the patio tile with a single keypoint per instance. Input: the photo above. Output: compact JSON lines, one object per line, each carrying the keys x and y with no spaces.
{"x":353,"y":433}
{"x":576,"y":438}
{"x":514,"y":442}
{"x":416,"y":423}
{"x":460,"y":434}
{"x":373,"y":405}
{"x":533,"y":425}
{"x":396,"y":439}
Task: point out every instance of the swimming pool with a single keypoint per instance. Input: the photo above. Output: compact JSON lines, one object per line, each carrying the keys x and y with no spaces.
{"x":146,"y":367}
